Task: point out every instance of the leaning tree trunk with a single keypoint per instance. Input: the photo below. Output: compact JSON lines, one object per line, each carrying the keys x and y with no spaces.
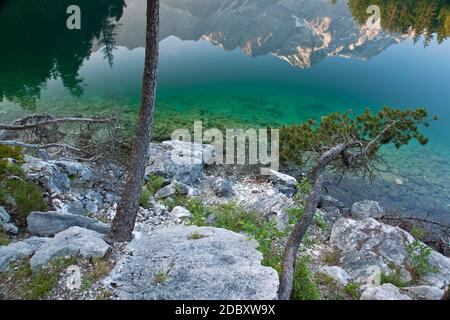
{"x":125,"y":219}
{"x":302,"y":225}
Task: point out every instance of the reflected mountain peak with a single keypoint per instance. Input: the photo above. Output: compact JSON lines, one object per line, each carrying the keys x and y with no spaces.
{"x":302,"y":33}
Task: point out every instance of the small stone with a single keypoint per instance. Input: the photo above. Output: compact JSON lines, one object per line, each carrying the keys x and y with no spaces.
{"x":166,"y":192}
{"x":222,"y":188}
{"x":336,"y":273}
{"x":4,"y":215}
{"x":10,"y":228}
{"x":181,"y":188}
{"x":282,"y":179}
{"x":180,"y":213}
{"x":92,"y":207}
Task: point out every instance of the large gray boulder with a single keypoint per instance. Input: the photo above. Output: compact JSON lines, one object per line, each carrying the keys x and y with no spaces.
{"x":180,"y":161}
{"x":385,"y":292}
{"x":19,"y":250}
{"x":192,"y":263}
{"x":51,"y":223}
{"x":424,"y":292}
{"x":369,"y":243}
{"x":74,"y":241}
{"x":367,"y":209}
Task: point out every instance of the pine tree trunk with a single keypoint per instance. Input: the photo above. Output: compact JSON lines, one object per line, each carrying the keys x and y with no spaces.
{"x":125,"y":219}
{"x":302,"y":225}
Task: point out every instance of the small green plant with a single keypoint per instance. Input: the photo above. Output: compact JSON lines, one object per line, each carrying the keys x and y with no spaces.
{"x":352,"y":289}
{"x":160,"y":276}
{"x":199,"y":212}
{"x":304,"y":188}
{"x":144,"y":200}
{"x":333,"y":258}
{"x":155,"y":183}
{"x":417,"y":233}
{"x":417,"y":258}
{"x":394,"y":278}
{"x":319,"y":220}
{"x":4,"y":240}
{"x":304,"y":288}
{"x":100,"y":268}
{"x":152,"y":185}
{"x":38,"y":285}
{"x":196,"y":236}
{"x":294,"y":214}
{"x":18,"y":196}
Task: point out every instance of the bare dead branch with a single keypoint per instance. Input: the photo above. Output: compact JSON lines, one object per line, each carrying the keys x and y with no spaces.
{"x":40,"y":146}
{"x":15,"y":127}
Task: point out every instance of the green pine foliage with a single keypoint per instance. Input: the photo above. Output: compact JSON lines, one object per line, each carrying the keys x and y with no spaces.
{"x":19,"y":196}
{"x":387,"y":126}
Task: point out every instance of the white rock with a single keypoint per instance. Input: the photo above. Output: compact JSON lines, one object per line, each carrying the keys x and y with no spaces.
{"x":180,"y":213}
{"x":385,"y":292}
{"x":74,"y":241}
{"x":372,"y":243}
{"x":220,"y":265}
{"x":424,"y":292}
{"x":19,"y":250}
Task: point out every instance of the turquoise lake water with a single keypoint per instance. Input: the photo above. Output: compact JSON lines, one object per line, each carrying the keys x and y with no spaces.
{"x":218,"y":63}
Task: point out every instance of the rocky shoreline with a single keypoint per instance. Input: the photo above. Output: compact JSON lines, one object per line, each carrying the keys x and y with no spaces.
{"x":352,"y":254}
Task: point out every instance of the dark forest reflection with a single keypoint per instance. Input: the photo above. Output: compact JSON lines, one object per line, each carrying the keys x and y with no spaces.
{"x":37,"y":46}
{"x":427,"y":18}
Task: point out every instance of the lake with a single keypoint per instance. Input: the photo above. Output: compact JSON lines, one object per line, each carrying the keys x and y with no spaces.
{"x":244,"y":63}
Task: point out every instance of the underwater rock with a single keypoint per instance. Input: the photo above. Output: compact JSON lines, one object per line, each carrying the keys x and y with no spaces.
{"x":367,"y":209}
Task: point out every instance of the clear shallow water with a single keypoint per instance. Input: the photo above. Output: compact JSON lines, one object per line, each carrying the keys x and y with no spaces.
{"x":245,"y":82}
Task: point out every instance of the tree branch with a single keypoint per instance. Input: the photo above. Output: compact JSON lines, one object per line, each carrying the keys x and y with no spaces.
{"x":40,"y":146}
{"x":13,"y":127}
